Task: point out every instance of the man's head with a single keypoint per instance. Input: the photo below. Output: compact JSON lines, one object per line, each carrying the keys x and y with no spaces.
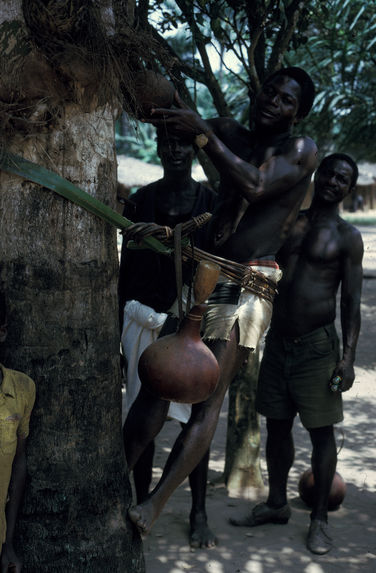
{"x":335,"y":177}
{"x":286,"y":96}
{"x":175,"y":151}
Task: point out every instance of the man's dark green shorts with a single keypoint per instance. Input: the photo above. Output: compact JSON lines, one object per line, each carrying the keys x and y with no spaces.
{"x":294,"y":377}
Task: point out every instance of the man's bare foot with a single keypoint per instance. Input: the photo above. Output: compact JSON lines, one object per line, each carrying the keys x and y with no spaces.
{"x":200,"y":535}
{"x":143,"y":516}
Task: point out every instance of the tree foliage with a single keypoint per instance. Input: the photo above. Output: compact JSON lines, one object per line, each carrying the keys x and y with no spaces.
{"x":217,"y":53}
{"x":340,"y":55}
{"x":256,"y":34}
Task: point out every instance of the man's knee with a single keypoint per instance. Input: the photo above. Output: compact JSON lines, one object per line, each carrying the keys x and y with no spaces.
{"x":279,"y":429}
{"x":323,"y":434}
{"x":206,"y":412}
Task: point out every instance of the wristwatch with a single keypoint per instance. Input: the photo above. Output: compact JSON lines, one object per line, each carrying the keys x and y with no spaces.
{"x":201,"y":140}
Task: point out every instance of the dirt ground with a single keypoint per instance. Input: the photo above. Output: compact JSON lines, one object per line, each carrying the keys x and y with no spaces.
{"x":281,"y":548}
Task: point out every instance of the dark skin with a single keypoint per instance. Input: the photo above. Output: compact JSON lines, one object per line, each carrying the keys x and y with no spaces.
{"x":263,"y":183}
{"x":177,"y":189}
{"x":176,"y":197}
{"x":325,"y":251}
{"x":260,"y":189}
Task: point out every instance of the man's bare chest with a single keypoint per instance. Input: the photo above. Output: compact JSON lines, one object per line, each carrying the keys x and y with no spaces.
{"x":321,"y":245}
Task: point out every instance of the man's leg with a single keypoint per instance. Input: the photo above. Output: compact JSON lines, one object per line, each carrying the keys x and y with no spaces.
{"x":200,"y":534}
{"x":136,"y":438}
{"x":194,"y":440}
{"x":143,"y":472}
{"x":279,"y":458}
{"x":144,"y":421}
{"x":324,"y":461}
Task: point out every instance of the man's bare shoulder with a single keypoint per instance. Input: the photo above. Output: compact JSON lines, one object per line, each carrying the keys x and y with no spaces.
{"x":303,"y":140}
{"x":299,"y":152}
{"x":352,"y":237}
{"x":304,"y":148}
{"x":348,"y":228}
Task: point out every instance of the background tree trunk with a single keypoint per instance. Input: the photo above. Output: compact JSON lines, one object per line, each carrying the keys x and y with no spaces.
{"x":58,"y":268}
{"x":242,"y":472}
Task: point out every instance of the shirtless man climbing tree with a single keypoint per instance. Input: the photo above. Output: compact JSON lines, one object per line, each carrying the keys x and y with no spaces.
{"x":264,"y":177}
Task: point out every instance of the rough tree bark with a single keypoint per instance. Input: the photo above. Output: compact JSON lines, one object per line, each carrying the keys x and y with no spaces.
{"x":58,"y":268}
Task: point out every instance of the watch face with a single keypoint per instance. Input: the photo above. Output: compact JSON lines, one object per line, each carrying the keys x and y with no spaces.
{"x":201,"y":140}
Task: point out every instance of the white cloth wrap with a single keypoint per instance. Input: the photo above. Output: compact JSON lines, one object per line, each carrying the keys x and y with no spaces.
{"x":141,"y":327}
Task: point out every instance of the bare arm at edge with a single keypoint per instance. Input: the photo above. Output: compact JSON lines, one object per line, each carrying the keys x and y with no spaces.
{"x":351,"y":287}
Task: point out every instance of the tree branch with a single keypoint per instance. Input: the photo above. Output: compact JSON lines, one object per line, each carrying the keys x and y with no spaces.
{"x":284,"y":35}
{"x":143,"y":13}
{"x":256,"y":15}
{"x":175,"y":62}
{"x":210,"y":79}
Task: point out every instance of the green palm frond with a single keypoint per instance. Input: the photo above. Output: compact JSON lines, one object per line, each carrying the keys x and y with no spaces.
{"x":17,"y":165}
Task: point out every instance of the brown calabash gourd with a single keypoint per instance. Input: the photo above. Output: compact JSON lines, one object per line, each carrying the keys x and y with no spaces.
{"x":179,"y":367}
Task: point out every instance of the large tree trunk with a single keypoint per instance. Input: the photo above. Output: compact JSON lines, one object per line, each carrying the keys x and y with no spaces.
{"x":58,"y":268}
{"x":242,"y":472}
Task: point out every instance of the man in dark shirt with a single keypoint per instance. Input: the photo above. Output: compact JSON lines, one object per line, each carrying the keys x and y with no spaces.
{"x":147,"y":290}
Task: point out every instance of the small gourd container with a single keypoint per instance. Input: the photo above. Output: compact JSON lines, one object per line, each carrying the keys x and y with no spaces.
{"x":180,"y":367}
